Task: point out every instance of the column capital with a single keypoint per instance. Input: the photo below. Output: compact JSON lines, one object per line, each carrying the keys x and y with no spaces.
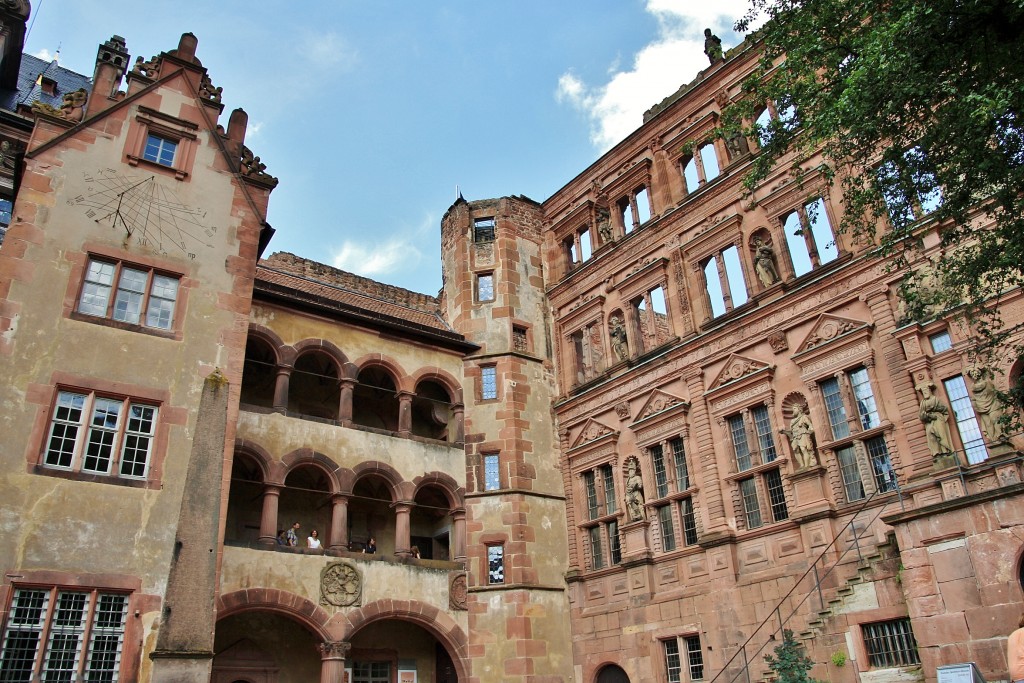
{"x":335,"y":650}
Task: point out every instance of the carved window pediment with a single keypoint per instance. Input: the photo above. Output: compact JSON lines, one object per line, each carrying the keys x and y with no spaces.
{"x":716,"y":235}
{"x":662,"y":415}
{"x":595,"y":443}
{"x":585,"y":309}
{"x":659,"y":402}
{"x":644,"y":275}
{"x":833,"y":343}
{"x":789,"y":191}
{"x":593,"y":433}
{"x":742,"y":381}
{"x":736,"y":368}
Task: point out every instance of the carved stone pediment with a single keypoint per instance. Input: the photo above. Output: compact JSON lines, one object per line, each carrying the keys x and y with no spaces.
{"x":592,"y":431}
{"x":657,"y":402}
{"x":737,"y":367}
{"x":828,"y":328}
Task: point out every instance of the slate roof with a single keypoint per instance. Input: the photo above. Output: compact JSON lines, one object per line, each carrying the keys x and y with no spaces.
{"x":29,"y":91}
{"x":303,"y":280}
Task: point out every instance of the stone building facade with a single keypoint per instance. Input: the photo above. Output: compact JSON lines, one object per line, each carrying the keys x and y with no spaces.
{"x":646,"y":424}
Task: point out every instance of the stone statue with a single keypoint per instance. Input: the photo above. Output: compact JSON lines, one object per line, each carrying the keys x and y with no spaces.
{"x":801,"y":438}
{"x":71,"y":109}
{"x":737,"y":145}
{"x":618,"y":334}
{"x":634,"y":492}
{"x":933,"y":414}
{"x":604,"y":225}
{"x":712,"y":46}
{"x":764,"y":263}
{"x":987,"y":405}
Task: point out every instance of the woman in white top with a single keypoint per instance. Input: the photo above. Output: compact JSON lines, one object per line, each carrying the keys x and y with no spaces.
{"x":313,"y":541}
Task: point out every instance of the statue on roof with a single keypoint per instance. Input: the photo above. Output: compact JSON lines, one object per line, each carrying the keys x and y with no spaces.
{"x":150,"y":69}
{"x":71,"y":109}
{"x":712,"y":46}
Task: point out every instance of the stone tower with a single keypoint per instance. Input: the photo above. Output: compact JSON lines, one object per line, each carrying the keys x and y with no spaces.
{"x":493,"y":293}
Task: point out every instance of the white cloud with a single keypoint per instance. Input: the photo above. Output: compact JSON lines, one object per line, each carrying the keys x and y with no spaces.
{"x":615,"y":108}
{"x":393,"y":254}
{"x":44,"y":55}
{"x":329,"y":49}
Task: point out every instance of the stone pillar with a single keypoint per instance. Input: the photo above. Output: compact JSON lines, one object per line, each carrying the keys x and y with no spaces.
{"x":339,"y":522}
{"x":459,"y":535}
{"x":284,"y":375}
{"x":268,"y":520}
{"x":402,"y":540}
{"x":345,"y":404}
{"x":184,"y":642}
{"x":404,"y":413}
{"x":332,"y":661}
{"x":458,"y":428}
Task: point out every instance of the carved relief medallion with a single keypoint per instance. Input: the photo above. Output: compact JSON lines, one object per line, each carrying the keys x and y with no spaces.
{"x":457,"y":591}
{"x":340,"y":585}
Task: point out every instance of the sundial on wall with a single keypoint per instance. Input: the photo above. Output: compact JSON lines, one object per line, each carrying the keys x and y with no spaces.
{"x":146,"y":211}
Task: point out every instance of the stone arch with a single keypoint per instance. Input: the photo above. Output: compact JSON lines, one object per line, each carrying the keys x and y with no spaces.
{"x":453,"y":492}
{"x":260,"y":456}
{"x":271,"y":338}
{"x":391,"y":366}
{"x":307,"y":456}
{"x":400,"y":489}
{"x":610,"y":672}
{"x":426,"y":616}
{"x":441,"y":377}
{"x":295,"y":607}
{"x":323,"y":345}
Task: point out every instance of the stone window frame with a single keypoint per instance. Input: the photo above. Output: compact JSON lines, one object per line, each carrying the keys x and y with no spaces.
{"x":697,"y":158}
{"x":115,"y":288}
{"x":483,"y":229}
{"x":907,"y":654}
{"x":94,"y":585}
{"x":602,"y":519}
{"x":153,"y":265}
{"x":495,"y":552}
{"x":635,"y":289}
{"x":180,"y":131}
{"x":678,"y":645}
{"x":477,"y":281}
{"x":522,"y":337}
{"x":588,"y":315}
{"x":804,"y":213}
{"x":835,"y":358}
{"x":674,"y":496}
{"x":486,"y":460}
{"x":46,"y":410}
{"x":697,"y":134}
{"x":713,"y":244}
{"x":964,"y":420}
{"x":489,"y":382}
{"x":624,"y":192}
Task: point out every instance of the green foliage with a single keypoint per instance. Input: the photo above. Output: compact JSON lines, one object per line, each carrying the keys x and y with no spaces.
{"x":908,"y":100}
{"x":790,"y":663}
{"x":839,"y":659}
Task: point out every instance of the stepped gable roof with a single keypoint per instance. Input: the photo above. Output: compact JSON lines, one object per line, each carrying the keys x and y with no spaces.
{"x":332,"y":285}
{"x":30,"y":91}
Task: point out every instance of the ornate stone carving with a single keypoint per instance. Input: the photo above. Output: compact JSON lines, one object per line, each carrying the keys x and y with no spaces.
{"x":933,"y":414}
{"x":764,"y":262}
{"x":987,"y":405}
{"x":594,"y":430}
{"x":336,"y":650}
{"x":208,"y":92}
{"x":150,"y":69}
{"x":252,"y":167}
{"x":72,"y":108}
{"x":801,"y":438}
{"x":736,"y":367}
{"x":340,"y":585}
{"x":604,"y":224}
{"x":622,"y":410}
{"x":634,"y":491}
{"x":9,"y":154}
{"x":777,"y":340}
{"x":712,"y":46}
{"x":828,"y":329}
{"x":617,"y":331}
{"x":657,"y":404}
{"x":457,"y":591}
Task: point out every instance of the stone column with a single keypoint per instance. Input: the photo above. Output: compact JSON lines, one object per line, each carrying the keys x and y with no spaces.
{"x":404,"y":413}
{"x":268,"y":520}
{"x":402,"y":510}
{"x":458,"y":428}
{"x":459,"y":535}
{"x":339,"y":522}
{"x":332,"y":661}
{"x":347,"y":387}
{"x":284,"y":375}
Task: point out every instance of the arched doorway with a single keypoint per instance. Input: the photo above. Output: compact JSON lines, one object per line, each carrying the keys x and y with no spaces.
{"x":612,"y":673}
{"x":314,"y":389}
{"x":370,"y":514}
{"x":306,"y":499}
{"x":375,"y":400}
{"x":431,"y":411}
{"x":260,"y":646}
{"x":245,"y":501}
{"x":383,"y":650}
{"x":259,"y":374}
{"x":430,"y":523}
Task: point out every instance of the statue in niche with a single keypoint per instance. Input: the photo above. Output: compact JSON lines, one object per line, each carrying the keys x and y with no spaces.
{"x":634,"y":492}
{"x":933,"y":414}
{"x":801,"y":438}
{"x":604,"y":225}
{"x":712,"y":46}
{"x":737,"y":145}
{"x":619,"y":343}
{"x":764,"y":263}
{"x":987,"y":405}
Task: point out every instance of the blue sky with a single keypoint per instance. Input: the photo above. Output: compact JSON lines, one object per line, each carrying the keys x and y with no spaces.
{"x":371,"y":113}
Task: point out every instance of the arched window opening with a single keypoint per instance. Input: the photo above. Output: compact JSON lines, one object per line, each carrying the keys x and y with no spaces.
{"x":370,"y":515}
{"x":430,"y":524}
{"x":314,"y":390}
{"x":259,"y":374}
{"x":375,"y":400}
{"x":612,"y":674}
{"x":306,"y":499}
{"x":431,"y":411}
{"x":245,"y":501}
